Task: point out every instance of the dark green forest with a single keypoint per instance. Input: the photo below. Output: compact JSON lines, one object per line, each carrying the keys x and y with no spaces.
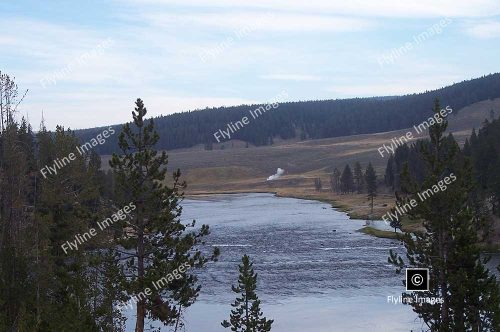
{"x":79,"y":246}
{"x":309,"y":119}
{"x":482,"y":149}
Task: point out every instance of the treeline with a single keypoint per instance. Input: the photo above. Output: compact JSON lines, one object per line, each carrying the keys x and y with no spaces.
{"x":466,"y":294}
{"x":482,"y":149}
{"x":79,"y":246}
{"x":41,"y":287}
{"x":309,"y":119}
{"x":349,"y":182}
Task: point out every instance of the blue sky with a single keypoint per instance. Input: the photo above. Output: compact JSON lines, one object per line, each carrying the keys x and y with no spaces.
{"x":85,"y":62}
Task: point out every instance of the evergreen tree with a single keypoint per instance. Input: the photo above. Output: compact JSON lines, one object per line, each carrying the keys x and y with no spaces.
{"x":317,"y":184}
{"x":467,"y":149}
{"x":473,"y":137}
{"x":157,"y":243}
{"x":335,"y":180}
{"x":409,"y":155}
{"x":371,"y":184}
{"x":358,"y":178}
{"x":41,"y":287}
{"x":448,"y":247}
{"x":332,"y":183}
{"x":346,"y":180}
{"x":247,"y":315}
{"x":484,"y":152}
{"x":65,"y":207}
{"x":389,"y":172}
{"x":16,"y":227}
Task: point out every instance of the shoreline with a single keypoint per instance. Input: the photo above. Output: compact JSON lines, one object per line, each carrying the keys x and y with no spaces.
{"x":350,"y":211}
{"x":354,"y":205}
{"x":346,"y":204}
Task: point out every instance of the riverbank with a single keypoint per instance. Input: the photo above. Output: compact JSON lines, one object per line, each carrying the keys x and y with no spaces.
{"x":356,"y":206}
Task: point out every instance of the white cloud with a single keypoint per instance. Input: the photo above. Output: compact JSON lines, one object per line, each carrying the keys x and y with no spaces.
{"x":47,"y":42}
{"x":247,"y":22}
{"x":156,"y":54}
{"x":367,"y":8}
{"x":291,"y":77}
{"x":486,"y":30}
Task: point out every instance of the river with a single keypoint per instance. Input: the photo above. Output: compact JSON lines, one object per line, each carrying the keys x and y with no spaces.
{"x":315,"y":272}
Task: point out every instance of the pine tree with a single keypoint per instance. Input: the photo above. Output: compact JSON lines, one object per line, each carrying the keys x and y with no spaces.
{"x":16,"y":227}
{"x":346,"y":180}
{"x":389,"y":172}
{"x":41,"y":288}
{"x":156,"y":242}
{"x":448,"y":247}
{"x":335,"y":180}
{"x":467,"y":149}
{"x":247,"y":315}
{"x":371,"y":184}
{"x":317,"y":184}
{"x":65,"y":207}
{"x":358,"y":177}
{"x":332,"y":183}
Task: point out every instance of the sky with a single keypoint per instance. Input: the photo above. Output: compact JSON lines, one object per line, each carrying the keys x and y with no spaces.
{"x":86,"y":62}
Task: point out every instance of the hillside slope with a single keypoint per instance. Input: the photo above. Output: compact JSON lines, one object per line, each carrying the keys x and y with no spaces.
{"x":308,"y":119}
{"x":246,"y":169}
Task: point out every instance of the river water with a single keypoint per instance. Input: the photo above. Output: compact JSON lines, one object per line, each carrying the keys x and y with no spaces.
{"x":315,"y":272}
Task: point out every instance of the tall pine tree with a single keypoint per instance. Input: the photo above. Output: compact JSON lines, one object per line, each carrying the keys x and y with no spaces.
{"x":335,"y":180}
{"x":358,"y":177}
{"x":347,"y":180}
{"x":448,"y":246}
{"x":156,"y":243}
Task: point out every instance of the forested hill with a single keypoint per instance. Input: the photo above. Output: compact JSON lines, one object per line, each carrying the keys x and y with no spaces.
{"x":310,"y":119}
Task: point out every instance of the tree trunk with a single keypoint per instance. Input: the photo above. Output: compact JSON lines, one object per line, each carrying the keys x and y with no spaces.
{"x":141,"y":313}
{"x":141,"y":305}
{"x":442,"y":280}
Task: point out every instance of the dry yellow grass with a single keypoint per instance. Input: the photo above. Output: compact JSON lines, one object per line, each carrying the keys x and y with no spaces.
{"x":238,"y":169}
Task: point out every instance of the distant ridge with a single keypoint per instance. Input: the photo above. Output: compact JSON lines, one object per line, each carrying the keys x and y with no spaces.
{"x":310,"y":119}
